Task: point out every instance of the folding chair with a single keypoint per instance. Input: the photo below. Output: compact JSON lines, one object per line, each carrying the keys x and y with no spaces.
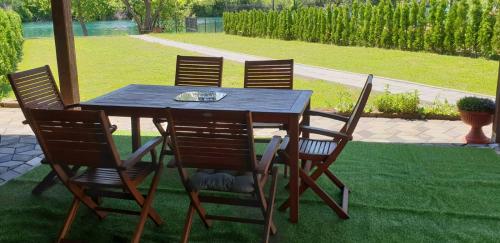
{"x":269,"y":74}
{"x":37,"y":89}
{"x":82,"y":138}
{"x":319,"y":154}
{"x":219,"y":144}
{"x":192,"y":71}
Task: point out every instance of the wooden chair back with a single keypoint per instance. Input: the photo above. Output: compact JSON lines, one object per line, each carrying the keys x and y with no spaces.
{"x":221,"y":140}
{"x":359,"y":107}
{"x":198,"y":71}
{"x":36,"y":89}
{"x":80,"y":138}
{"x":269,"y":74}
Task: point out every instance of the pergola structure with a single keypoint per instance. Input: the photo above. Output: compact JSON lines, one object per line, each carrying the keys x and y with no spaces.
{"x":67,"y":68}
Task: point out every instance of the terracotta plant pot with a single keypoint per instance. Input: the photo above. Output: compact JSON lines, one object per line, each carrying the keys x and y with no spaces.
{"x":476,"y":120}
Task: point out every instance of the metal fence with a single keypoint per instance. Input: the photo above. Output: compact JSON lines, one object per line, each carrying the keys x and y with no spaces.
{"x":208,"y":24}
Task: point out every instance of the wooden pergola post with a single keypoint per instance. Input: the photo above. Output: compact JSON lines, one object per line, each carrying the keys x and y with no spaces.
{"x":65,"y":50}
{"x":495,"y":136}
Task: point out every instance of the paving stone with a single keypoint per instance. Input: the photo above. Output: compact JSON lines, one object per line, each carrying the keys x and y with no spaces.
{"x":11,"y":164}
{"x":26,"y":147}
{"x":9,"y":175}
{"x":23,"y":168}
{"x":22,"y":157}
{"x":35,"y":162}
{"x":32,"y":152}
{"x":7,"y":150}
{"x":5,"y":157}
{"x":28,"y":139}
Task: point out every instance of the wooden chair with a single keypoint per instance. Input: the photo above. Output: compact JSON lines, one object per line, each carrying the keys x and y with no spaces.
{"x":220,"y":145}
{"x":198,"y":71}
{"x":269,"y":74}
{"x":320,"y":154}
{"x":83,"y":138}
{"x":192,"y":71}
{"x":37,"y":89}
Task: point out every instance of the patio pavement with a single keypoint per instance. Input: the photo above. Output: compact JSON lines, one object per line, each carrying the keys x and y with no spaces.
{"x":19,"y":152}
{"x":427,"y":93}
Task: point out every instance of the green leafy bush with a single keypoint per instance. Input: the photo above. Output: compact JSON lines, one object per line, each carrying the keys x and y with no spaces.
{"x":476,"y":104}
{"x":11,"y":43}
{"x":440,"y":108}
{"x":404,"y":103}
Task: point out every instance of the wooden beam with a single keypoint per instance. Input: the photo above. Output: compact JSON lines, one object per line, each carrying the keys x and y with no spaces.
{"x":65,"y":50}
{"x":495,"y":137}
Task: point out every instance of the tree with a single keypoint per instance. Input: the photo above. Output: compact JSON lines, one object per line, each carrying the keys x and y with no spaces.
{"x":146,"y":13}
{"x":395,"y":21}
{"x":472,"y":30}
{"x":403,"y":26}
{"x":449,"y":29}
{"x":495,"y":41}
{"x":91,"y":10}
{"x":461,"y":25}
{"x":412,"y":25}
{"x":421,"y":24}
{"x":437,"y":35}
{"x":486,"y":30}
{"x":367,"y":23}
{"x":386,"y":37}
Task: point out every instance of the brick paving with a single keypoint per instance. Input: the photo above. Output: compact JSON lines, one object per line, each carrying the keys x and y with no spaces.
{"x":427,"y":93}
{"x":19,"y":152}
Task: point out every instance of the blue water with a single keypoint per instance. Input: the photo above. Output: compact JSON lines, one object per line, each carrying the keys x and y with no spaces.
{"x":116,"y":27}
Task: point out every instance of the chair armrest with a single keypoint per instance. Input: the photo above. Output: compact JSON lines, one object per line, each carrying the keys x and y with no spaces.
{"x":73,"y":106}
{"x":141,"y":152}
{"x":113,"y":128}
{"x":26,"y":122}
{"x":325,"y":132}
{"x":267,"y":157}
{"x":328,"y":115}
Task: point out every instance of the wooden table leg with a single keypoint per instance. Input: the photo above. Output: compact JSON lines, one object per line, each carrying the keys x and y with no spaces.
{"x":306,"y":119}
{"x":136,"y":133}
{"x":293,"y":153}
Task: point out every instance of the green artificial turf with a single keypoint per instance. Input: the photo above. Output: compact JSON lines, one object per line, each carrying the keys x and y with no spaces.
{"x":400,"y":193}
{"x":109,"y":63}
{"x":463,"y":73}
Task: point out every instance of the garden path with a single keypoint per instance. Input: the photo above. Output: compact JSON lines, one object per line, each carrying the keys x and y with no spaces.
{"x":19,"y":152}
{"x":427,"y":93}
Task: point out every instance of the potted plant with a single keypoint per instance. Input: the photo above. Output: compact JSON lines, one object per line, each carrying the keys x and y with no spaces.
{"x":476,"y":112}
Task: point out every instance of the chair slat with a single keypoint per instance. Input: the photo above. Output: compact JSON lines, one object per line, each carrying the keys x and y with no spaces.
{"x":277,"y":74}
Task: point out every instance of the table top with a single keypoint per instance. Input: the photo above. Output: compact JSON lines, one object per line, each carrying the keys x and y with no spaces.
{"x":136,"y":97}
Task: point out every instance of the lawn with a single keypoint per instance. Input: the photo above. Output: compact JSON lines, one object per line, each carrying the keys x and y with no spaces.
{"x":400,"y":193}
{"x":468,"y":74}
{"x":108,"y":63}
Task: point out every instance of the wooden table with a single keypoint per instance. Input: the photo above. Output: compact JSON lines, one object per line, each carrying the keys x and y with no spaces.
{"x":267,"y":105}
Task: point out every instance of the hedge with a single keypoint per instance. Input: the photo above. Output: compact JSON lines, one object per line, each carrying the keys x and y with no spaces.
{"x":463,"y":27}
{"x":11,"y":44}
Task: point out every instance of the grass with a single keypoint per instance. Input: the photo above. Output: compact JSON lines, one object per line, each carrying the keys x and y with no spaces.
{"x":463,"y":73}
{"x":400,"y":193}
{"x":108,"y":63}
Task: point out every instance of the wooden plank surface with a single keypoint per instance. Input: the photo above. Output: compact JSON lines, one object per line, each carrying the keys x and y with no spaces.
{"x":147,"y":100}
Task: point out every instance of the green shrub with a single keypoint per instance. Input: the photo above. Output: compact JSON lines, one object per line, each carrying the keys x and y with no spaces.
{"x":476,"y":104}
{"x":404,"y":103}
{"x":440,"y":108}
{"x":11,"y":42}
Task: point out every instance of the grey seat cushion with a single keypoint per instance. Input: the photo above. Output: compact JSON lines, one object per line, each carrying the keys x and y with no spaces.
{"x":218,"y":180}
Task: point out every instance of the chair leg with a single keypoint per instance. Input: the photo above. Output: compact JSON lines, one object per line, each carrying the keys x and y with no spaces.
{"x":270,"y":207}
{"x":48,"y":181}
{"x":334,"y":179}
{"x":195,"y":201}
{"x":322,"y":194}
{"x":310,"y":182}
{"x":188,"y":224}
{"x":69,"y":219}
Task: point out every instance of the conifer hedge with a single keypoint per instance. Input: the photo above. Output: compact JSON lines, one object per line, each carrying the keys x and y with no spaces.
{"x":11,"y":43}
{"x":462,"y":27}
